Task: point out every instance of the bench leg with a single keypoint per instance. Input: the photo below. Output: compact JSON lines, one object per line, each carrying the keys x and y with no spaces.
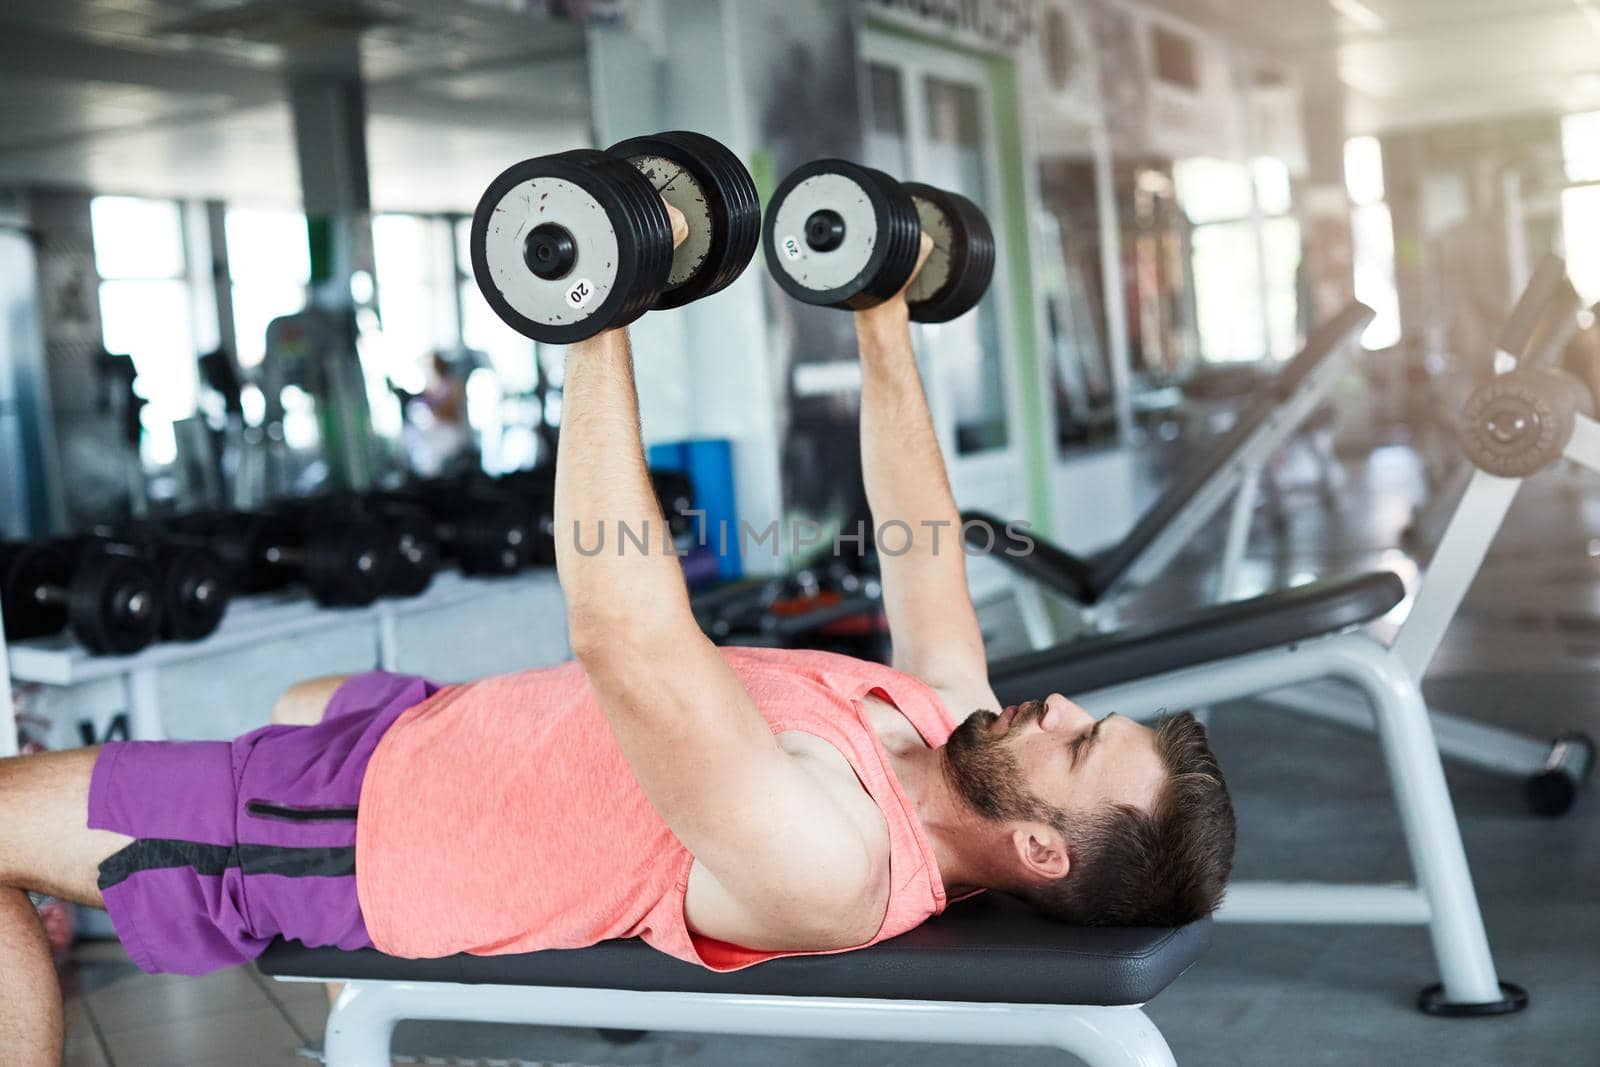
{"x":360,"y":1024}
{"x":1110,"y":1037}
{"x":363,"y":1018}
{"x":1469,"y":983}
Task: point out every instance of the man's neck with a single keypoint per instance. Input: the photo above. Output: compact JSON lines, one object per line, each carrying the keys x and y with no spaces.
{"x":951,"y":826}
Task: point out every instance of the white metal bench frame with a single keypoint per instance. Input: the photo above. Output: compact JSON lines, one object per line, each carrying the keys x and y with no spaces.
{"x":362,"y":1021}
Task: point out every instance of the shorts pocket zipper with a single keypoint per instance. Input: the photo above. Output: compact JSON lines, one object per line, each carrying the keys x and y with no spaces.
{"x":262,"y":810}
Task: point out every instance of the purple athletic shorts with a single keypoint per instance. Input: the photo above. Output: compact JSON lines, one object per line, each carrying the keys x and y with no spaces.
{"x":238,"y":842}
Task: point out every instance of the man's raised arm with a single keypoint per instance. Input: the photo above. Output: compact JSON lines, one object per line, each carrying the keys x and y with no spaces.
{"x":702,"y":752}
{"x":931,"y":619}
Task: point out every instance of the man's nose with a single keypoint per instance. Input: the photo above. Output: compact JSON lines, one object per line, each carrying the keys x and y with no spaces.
{"x":1062,"y":714}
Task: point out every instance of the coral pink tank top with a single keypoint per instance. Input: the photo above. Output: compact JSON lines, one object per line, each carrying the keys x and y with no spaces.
{"x":499,"y":816}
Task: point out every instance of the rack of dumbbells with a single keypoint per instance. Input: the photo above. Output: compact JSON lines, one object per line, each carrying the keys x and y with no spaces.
{"x":128,"y":600}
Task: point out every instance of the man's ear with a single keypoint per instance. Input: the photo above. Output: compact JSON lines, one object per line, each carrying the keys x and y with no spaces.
{"x":1041,"y":852}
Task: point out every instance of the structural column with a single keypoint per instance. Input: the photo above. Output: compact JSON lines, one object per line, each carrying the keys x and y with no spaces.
{"x":1327,"y":246}
{"x":329,"y":105}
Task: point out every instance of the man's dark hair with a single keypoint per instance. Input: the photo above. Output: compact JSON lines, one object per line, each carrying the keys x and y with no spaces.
{"x":1163,"y":867}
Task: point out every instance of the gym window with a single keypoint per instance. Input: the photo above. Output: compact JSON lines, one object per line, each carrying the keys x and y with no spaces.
{"x":1580,"y":202}
{"x":416,"y":309}
{"x":269,"y":264}
{"x":1372,"y":241}
{"x":1245,"y":275}
{"x":529,"y":375}
{"x":147,"y":309}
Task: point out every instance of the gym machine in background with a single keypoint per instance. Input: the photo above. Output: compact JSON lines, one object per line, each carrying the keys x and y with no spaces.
{"x":1521,"y":422}
{"x":1226,"y":472}
{"x":1512,"y":427}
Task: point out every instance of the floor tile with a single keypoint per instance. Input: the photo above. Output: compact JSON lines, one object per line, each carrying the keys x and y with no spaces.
{"x":257,"y":1033}
{"x":139,"y":1000}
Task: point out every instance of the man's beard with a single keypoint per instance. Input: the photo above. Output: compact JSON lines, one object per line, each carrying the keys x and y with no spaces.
{"x":984,"y":771}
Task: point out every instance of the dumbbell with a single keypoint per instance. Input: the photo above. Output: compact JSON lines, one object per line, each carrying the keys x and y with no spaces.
{"x":673,"y":489}
{"x":569,"y":245}
{"x":409,"y":545}
{"x":535,"y":490}
{"x":841,"y":235}
{"x":110,"y":601}
{"x":483,"y":532}
{"x":338,"y":556}
{"x":192,"y":582}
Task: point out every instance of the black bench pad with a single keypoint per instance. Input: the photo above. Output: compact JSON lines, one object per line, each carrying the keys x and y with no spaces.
{"x":1197,"y":637}
{"x":991,"y":949}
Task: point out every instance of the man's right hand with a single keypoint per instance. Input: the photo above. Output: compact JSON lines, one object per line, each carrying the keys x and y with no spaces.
{"x":894,"y":310}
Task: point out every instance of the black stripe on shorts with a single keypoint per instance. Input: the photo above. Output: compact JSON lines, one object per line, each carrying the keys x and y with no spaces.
{"x":157,"y":853}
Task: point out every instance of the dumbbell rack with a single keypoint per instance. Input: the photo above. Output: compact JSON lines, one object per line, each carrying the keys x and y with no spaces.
{"x":251,"y":621}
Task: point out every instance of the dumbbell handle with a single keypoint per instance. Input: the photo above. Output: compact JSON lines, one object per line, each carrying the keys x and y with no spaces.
{"x":292,"y":556}
{"x":285,"y":554}
{"x":449,"y":532}
{"x":138,"y":605}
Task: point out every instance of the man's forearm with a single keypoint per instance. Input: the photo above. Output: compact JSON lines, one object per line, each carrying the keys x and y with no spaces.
{"x":613,"y":587}
{"x":901,"y":465}
{"x":931,"y":621}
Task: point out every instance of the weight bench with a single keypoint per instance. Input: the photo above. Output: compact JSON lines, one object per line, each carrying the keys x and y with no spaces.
{"x":1230,"y":466}
{"x":990,"y":971}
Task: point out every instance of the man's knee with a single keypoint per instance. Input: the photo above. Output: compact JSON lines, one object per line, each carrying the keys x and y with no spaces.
{"x":304,"y":703}
{"x":45,"y":842}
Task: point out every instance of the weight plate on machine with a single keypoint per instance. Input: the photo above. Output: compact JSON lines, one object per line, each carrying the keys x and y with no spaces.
{"x":566,"y":246}
{"x":194,"y":592}
{"x":960,"y":265}
{"x":24,"y":570}
{"x":841,"y":235}
{"x":113,"y":603}
{"x":1516,"y":425}
{"x":703,"y":179}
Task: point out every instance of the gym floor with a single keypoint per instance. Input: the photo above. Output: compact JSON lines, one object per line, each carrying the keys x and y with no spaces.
{"x":1312,"y":802}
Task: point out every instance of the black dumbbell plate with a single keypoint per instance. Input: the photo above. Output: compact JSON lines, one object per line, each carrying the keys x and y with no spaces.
{"x":607,"y":227}
{"x":960,"y":266}
{"x":840,"y":235}
{"x":25,"y":568}
{"x":704,"y":180}
{"x":194,"y":592}
{"x":113,"y":603}
{"x":414,"y":555}
{"x":345,"y":562}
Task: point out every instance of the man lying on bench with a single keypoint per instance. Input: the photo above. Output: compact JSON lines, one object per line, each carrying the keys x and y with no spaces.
{"x":725,"y":805}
